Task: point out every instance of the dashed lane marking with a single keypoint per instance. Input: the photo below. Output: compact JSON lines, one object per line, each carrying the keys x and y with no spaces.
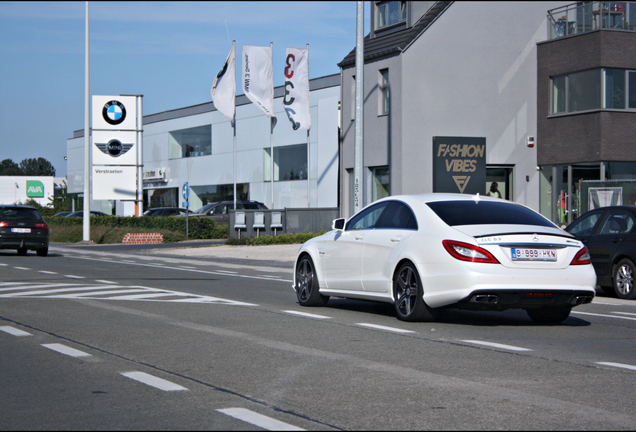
{"x":497,"y":345}
{"x":66,"y":350}
{"x":153,"y":381}
{"x":259,"y":420}
{"x":618,"y":365}
{"x":14,"y":331}
{"x":385,"y":328}
{"x":305,"y":314}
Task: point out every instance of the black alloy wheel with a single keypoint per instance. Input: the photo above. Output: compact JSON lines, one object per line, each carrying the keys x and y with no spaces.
{"x":408,"y":294}
{"x":623,"y":279}
{"x":307,"y":288}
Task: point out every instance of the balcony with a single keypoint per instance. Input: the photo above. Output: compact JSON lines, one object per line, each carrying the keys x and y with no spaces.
{"x":584,"y":17}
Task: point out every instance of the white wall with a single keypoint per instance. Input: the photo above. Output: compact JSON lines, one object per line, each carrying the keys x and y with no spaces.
{"x":13,"y":189}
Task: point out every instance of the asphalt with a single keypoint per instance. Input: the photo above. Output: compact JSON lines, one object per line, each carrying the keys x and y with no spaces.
{"x":216,"y":250}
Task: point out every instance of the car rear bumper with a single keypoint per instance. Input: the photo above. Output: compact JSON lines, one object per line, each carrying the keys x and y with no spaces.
{"x":524,"y":299}
{"x":28,"y":242}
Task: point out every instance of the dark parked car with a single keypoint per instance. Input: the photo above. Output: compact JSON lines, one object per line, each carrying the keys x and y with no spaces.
{"x":62,"y":214}
{"x":22,"y":228}
{"x":219,"y":211}
{"x":80,"y":213}
{"x":166,"y":211}
{"x":609,"y":234}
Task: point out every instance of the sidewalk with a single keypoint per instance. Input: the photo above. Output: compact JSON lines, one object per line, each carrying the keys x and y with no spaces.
{"x":281,"y":253}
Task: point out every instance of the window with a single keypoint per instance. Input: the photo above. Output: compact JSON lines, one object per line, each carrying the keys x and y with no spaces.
{"x":367,"y":218}
{"x":191,"y":142}
{"x":384,"y":92}
{"x":558,"y":95}
{"x":380,"y":183}
{"x":581,"y":91}
{"x":456,"y":213}
{"x":353,"y":98}
{"x":202,"y":195}
{"x":616,"y":222}
{"x":290,"y":163}
{"x":584,"y":90}
{"x":397,"y":216}
{"x":391,"y":12}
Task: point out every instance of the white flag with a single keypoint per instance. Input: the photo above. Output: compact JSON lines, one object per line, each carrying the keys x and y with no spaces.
{"x":224,"y":87}
{"x":296,"y":100}
{"x":258,"y":77}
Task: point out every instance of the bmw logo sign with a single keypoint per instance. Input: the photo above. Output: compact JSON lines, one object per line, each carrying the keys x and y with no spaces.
{"x":114,"y":112}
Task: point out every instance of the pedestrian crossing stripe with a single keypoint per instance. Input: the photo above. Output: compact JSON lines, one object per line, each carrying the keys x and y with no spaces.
{"x":105,"y":292}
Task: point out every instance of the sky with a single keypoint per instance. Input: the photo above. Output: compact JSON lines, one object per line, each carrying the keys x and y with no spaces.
{"x":169,"y":52}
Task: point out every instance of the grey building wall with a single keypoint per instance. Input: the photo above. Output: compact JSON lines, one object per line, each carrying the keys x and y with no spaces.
{"x":592,"y":136}
{"x":471,"y":73}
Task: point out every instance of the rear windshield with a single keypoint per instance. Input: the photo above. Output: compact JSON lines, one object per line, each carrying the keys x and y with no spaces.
{"x":15,"y":214}
{"x":486,"y":213}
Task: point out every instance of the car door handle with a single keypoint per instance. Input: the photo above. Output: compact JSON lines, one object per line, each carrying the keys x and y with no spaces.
{"x":396,"y":239}
{"x":359,"y":237}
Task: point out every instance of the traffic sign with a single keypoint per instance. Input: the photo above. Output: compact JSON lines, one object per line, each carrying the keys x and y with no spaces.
{"x":185,"y":191}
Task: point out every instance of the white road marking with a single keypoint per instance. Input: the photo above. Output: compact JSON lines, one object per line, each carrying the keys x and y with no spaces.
{"x":104,"y":281}
{"x":226,"y":272}
{"x":259,"y":420}
{"x":14,"y":331}
{"x":379,"y":327}
{"x":153,"y":381}
{"x":107,"y":292}
{"x":618,"y":365}
{"x":22,"y":268}
{"x":496,"y":345}
{"x":624,"y":313}
{"x":603,"y":315}
{"x":47,"y":272}
{"x":63,"y":349}
{"x":163,"y":266}
{"x":305,"y":314}
{"x":74,"y":277}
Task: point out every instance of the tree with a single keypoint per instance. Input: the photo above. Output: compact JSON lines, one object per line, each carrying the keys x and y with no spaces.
{"x":9,"y":168}
{"x":37,"y":167}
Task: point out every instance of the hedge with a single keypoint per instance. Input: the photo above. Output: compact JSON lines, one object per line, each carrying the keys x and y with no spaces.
{"x":198,"y":227}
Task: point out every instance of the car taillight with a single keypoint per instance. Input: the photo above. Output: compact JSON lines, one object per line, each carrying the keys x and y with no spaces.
{"x":41,"y":225}
{"x":468,"y":252}
{"x":582,"y":257}
{"x":4,"y":224}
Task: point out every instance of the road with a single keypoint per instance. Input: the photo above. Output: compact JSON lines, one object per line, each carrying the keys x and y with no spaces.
{"x":108,"y":338}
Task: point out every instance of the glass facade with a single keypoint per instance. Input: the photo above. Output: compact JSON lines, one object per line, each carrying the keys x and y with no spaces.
{"x":380,"y":183}
{"x":191,"y":142}
{"x":290,"y":163}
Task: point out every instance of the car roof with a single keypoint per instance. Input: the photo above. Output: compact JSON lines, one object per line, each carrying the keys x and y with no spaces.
{"x":17,"y":206}
{"x":439,"y":196}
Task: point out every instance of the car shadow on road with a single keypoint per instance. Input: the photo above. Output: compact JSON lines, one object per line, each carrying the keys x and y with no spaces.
{"x":510,"y":317}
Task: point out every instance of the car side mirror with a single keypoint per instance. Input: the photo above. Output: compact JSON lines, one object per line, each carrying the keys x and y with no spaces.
{"x":338,"y":224}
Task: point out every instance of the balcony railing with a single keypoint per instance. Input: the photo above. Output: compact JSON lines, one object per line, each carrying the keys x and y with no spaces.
{"x":584,"y":17}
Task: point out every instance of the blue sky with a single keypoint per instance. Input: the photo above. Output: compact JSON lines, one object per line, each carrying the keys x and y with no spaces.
{"x":169,"y":52}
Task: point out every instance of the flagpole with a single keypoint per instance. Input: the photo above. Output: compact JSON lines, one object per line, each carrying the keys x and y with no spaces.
{"x":271,"y":141}
{"x":308,"y":153}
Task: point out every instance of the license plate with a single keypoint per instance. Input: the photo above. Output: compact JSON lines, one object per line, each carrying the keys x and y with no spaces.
{"x":21,"y":230}
{"x":524,"y":254}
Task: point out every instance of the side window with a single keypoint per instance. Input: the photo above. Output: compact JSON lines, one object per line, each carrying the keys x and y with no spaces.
{"x":617,"y":222}
{"x":584,"y":225}
{"x":397,"y":216}
{"x":220,"y":209}
{"x":366,"y":219}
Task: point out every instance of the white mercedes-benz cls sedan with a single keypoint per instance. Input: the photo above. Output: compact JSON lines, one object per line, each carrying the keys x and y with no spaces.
{"x":430,"y":251}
